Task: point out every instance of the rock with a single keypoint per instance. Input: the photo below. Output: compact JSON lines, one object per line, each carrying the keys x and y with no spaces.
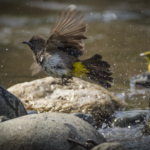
{"x":129,"y":118}
{"x":10,"y":105}
{"x":3,"y":118}
{"x":46,"y":131}
{"x":31,"y":112}
{"x":141,"y":80}
{"x":146,"y":129}
{"x":109,"y":146}
{"x":87,"y":117}
{"x":48,"y":95}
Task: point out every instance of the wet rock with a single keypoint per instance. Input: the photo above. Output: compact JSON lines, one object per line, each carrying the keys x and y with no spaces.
{"x":46,"y":131}
{"x":109,"y":146}
{"x":3,"y":118}
{"x":31,"y":112}
{"x":86,"y":117}
{"x":141,"y":80}
{"x":10,"y":105}
{"x":48,"y":95}
{"x":120,"y":96}
{"x":146,"y":129}
{"x":129,"y":118}
{"x":133,"y":94}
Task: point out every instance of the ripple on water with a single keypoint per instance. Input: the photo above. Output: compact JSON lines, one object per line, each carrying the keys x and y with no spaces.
{"x":130,"y":138}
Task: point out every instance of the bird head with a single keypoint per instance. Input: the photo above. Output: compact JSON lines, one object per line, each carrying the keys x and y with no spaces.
{"x":147,"y":55}
{"x":36,"y":43}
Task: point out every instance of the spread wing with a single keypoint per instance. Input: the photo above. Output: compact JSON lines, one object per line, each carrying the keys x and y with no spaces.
{"x":67,"y":33}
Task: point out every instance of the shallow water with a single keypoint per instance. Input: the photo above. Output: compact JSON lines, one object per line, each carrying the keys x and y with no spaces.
{"x":129,"y":138}
{"x":118,"y":30}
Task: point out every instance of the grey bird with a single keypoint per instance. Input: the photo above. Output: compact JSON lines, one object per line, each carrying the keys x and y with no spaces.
{"x":58,"y":56}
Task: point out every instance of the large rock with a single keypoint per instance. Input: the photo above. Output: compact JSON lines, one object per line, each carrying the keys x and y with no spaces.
{"x":141,"y":80}
{"x":129,"y":118}
{"x":48,"y":95}
{"x":10,"y":106}
{"x":46,"y":131}
{"x":87,"y":117}
{"x":109,"y":146}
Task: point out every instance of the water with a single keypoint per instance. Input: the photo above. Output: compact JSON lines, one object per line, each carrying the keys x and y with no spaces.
{"x":118,"y":30}
{"x":129,"y":138}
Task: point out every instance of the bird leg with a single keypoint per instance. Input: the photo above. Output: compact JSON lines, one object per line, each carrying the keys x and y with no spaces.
{"x":64,"y":79}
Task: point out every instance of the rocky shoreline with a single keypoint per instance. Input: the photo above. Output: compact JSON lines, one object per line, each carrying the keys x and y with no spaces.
{"x":56,"y":122}
{"x":48,"y":95}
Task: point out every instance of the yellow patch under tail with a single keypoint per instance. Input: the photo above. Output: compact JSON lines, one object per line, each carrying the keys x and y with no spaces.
{"x":79,"y":70}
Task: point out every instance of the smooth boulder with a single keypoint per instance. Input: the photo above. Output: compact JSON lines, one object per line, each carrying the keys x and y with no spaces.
{"x":129,"y":118}
{"x":10,"y":105}
{"x":87,"y":117}
{"x":46,"y":131}
{"x":109,"y":146}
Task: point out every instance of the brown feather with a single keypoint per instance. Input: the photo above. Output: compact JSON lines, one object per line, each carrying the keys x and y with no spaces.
{"x":35,"y":68}
{"x":67,"y":33}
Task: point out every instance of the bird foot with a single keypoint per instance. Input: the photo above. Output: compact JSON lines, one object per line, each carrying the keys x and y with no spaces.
{"x":64,"y":80}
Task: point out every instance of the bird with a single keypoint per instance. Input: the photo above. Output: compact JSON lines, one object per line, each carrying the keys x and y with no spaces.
{"x":58,"y":56}
{"x":147,"y":54}
{"x":146,"y":76}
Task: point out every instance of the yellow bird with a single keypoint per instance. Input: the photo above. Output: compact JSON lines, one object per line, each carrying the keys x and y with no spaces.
{"x":147,"y":54}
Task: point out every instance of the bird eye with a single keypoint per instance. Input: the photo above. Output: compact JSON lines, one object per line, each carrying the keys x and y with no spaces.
{"x":33,"y":42}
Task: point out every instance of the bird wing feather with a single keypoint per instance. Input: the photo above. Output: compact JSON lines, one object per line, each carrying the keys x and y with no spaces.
{"x":68,"y":32}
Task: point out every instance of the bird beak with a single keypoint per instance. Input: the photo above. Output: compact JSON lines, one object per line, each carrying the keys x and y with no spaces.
{"x":26,"y":42}
{"x":142,"y":54}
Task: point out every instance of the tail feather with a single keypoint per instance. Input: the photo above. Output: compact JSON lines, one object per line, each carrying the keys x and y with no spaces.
{"x":96,"y":61}
{"x":99,"y":70}
{"x":100,"y":81}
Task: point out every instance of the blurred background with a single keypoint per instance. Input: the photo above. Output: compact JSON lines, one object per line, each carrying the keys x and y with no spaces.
{"x":119,"y":30}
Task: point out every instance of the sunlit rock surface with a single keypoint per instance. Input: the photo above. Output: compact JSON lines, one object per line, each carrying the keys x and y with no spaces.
{"x":10,"y":106}
{"x":48,"y":95}
{"x":47,"y":131}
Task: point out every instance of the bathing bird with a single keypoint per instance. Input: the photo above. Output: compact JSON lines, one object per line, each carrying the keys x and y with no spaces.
{"x":58,"y":56}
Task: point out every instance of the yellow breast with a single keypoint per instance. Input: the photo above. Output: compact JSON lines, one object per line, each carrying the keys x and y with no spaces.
{"x":148,"y":60}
